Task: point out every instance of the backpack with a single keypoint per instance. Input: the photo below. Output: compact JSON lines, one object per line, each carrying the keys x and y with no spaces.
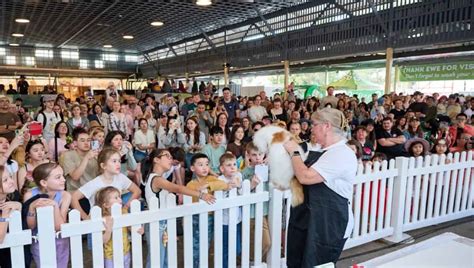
{"x":44,"y":117}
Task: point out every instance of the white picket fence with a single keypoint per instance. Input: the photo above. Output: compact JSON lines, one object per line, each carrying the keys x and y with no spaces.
{"x":389,"y":199}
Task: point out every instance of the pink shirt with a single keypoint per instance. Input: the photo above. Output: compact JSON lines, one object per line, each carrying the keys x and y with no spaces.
{"x":51,"y":151}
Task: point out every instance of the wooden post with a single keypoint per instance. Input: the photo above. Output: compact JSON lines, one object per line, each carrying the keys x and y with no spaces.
{"x":226,"y":74}
{"x":397,"y":77}
{"x":388,"y":69}
{"x":286,"y":80}
{"x":326,"y":78}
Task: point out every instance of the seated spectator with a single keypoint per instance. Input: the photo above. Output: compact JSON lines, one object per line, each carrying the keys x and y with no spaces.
{"x":390,"y":140}
{"x":368,"y":148}
{"x":58,"y":144}
{"x":417,"y":147}
{"x":108,"y":161}
{"x":357,"y":148}
{"x":77,"y":120}
{"x":379,"y":157}
{"x":414,"y":130}
{"x":464,"y":143}
{"x":453,"y":108}
{"x":460,"y":127}
{"x":440,"y":147}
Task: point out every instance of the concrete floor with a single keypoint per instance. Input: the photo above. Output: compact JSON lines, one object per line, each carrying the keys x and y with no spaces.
{"x":463,"y":227}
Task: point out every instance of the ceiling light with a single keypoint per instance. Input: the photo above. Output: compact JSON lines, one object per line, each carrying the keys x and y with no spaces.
{"x":17,"y":35}
{"x":203,"y":2}
{"x":107,"y":46}
{"x":157,"y":23}
{"x":14,"y":45}
{"x":22,"y":20}
{"x":128,"y":37}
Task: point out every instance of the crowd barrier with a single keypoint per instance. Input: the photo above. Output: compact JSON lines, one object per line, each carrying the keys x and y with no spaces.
{"x":389,"y":198}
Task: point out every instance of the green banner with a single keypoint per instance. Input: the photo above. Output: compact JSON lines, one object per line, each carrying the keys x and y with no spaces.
{"x":442,"y":71}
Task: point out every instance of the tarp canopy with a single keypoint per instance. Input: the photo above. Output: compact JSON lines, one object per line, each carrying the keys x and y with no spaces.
{"x":352,"y":82}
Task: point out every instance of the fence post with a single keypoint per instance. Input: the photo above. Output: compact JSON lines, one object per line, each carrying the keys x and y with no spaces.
{"x":398,"y":201}
{"x":274,"y":224}
{"x":46,"y":236}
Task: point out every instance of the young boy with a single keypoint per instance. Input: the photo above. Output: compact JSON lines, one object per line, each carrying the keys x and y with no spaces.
{"x":231,"y":176}
{"x":255,"y":157}
{"x":214,"y":150}
{"x":205,"y":183}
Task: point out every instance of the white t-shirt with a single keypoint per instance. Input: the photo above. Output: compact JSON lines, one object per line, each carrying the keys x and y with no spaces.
{"x":143,"y":139}
{"x":12,"y":167}
{"x":120,"y":181}
{"x":51,"y":120}
{"x":338,"y":167}
{"x":225,"y":213}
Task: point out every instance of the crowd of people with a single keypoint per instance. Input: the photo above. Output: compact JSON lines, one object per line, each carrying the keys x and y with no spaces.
{"x":85,"y":152}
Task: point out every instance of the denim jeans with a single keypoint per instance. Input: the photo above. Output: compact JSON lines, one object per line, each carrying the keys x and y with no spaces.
{"x":210,"y":233}
{"x":225,"y":246}
{"x":163,"y":250}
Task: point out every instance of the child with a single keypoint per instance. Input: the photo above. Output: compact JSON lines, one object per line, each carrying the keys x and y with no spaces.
{"x":368,"y":148}
{"x":214,"y":150}
{"x":106,"y":198}
{"x":9,"y":202}
{"x":204,"y":183}
{"x":49,"y":192}
{"x":357,"y":148}
{"x":255,"y":157}
{"x":98,"y":134}
{"x":154,"y":168}
{"x":441,"y":147}
{"x":231,"y":176}
{"x":417,"y":147}
{"x":36,"y":155}
{"x":109,"y":163}
{"x":379,"y":157}
{"x":235,"y":145}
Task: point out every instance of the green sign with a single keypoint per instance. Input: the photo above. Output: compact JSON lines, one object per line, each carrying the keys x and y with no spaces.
{"x":442,"y":71}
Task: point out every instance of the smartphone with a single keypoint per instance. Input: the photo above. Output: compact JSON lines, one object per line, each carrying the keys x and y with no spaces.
{"x":95,"y":145}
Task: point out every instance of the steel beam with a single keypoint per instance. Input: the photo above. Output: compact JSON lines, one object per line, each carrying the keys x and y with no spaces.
{"x":275,"y":14}
{"x":88,"y":24}
{"x":377,"y":16}
{"x":147,"y":57}
{"x":328,"y":5}
{"x":171,"y":49}
{"x":342,"y":8}
{"x":269,"y":27}
{"x":209,"y":41}
{"x":247,"y":32}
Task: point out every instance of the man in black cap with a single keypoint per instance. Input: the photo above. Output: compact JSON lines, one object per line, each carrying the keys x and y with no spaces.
{"x":22,"y":86}
{"x":419,"y":106}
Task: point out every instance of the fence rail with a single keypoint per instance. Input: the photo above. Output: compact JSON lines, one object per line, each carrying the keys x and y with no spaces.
{"x":389,"y":198}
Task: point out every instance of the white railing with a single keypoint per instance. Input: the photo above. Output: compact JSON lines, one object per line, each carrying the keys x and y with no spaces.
{"x":389,"y":199}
